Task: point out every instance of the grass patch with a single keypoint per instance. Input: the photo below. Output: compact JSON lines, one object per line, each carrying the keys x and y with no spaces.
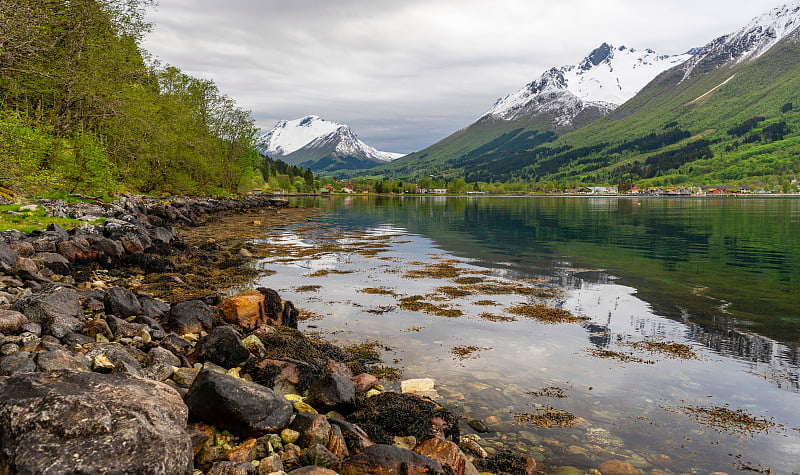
{"x":28,"y":221}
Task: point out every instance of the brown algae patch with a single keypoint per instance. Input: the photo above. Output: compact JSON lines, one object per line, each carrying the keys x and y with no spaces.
{"x":545,"y":314}
{"x":491,"y":317}
{"x":552,"y":391}
{"x":616,"y":355}
{"x":487,"y":303}
{"x":416,"y":303}
{"x":326,"y":272}
{"x":468,"y":280}
{"x":667,"y":348}
{"x":723,"y":419}
{"x":378,"y":291}
{"x":453,"y":292}
{"x":308,"y":315}
{"x":366,"y":352}
{"x":440,"y":270}
{"x":381,"y":309}
{"x":507,"y":288}
{"x":466,"y":352}
{"x":547,"y":417}
{"x":308,"y":288}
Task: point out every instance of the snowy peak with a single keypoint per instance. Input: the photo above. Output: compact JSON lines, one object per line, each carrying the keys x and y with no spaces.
{"x":607,"y":77}
{"x":312,"y":133}
{"x":749,"y":43}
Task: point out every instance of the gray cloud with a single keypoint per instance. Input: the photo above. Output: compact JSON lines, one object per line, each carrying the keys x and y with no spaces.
{"x":406,"y":74}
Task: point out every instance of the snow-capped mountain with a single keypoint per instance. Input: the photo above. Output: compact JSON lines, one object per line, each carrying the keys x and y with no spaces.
{"x":603,"y":80}
{"x":308,"y":140}
{"x":756,"y":38}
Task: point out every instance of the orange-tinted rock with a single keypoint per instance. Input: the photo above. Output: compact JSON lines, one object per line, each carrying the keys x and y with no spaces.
{"x":245,"y":309}
{"x":448,"y":454}
{"x":244,"y":452}
{"x":387,"y":460}
{"x":618,"y":467}
{"x":337,"y":367}
{"x":337,"y":444}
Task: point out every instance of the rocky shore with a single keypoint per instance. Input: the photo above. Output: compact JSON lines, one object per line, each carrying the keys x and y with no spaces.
{"x":100,"y":376}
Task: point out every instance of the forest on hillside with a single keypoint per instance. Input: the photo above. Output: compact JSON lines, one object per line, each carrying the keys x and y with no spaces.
{"x":84,"y":109}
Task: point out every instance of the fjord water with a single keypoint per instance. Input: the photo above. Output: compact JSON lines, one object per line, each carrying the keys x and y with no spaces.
{"x":721,"y":276}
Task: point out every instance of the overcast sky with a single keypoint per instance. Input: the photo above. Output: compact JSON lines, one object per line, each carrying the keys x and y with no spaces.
{"x":407,"y":73}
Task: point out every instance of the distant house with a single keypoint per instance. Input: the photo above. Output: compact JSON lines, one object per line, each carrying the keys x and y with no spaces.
{"x":347,"y":188}
{"x":326,"y":189}
{"x":433,"y":191}
{"x":603,"y":190}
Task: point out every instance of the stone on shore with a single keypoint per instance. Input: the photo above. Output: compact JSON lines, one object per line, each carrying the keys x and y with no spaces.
{"x":11,"y":322}
{"x":223,"y":346}
{"x":240,"y":406}
{"x":448,"y":454}
{"x":332,"y":393}
{"x":56,"y":308}
{"x":192,"y":316}
{"x":122,"y":303}
{"x":256,"y":308}
{"x":313,"y":429}
{"x":381,"y":459}
{"x":82,"y":422}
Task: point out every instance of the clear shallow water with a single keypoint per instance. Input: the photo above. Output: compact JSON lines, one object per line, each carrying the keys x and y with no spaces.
{"x":719,"y":276}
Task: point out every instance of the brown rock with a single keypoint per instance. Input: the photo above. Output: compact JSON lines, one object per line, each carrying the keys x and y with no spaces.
{"x":448,"y":454}
{"x":313,"y":429}
{"x":382,"y":459}
{"x":244,"y":452}
{"x":98,"y":326}
{"x":11,"y":321}
{"x":312,"y":470}
{"x":364,"y":382}
{"x":337,"y":444}
{"x":618,"y":467}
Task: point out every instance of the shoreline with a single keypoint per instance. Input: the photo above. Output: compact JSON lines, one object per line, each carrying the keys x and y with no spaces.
{"x":75,"y":313}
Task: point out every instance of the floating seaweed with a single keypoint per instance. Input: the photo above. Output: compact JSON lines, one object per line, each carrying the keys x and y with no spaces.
{"x":546,"y":314}
{"x":308,"y":288}
{"x":616,"y":355}
{"x":666,"y":348}
{"x":451,"y":291}
{"x":487,"y":303}
{"x":378,"y":291}
{"x":416,"y":303}
{"x":468,"y":280}
{"x":466,"y":352}
{"x":440,"y":270}
{"x":496,"y":318}
{"x":547,"y":417}
{"x":723,"y":419}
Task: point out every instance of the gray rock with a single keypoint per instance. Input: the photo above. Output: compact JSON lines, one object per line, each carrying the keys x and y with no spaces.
{"x":123,"y":329}
{"x":153,"y":308}
{"x":357,"y":440}
{"x":333,"y":392}
{"x":57,"y":231}
{"x":224,"y":347}
{"x":160,"y":355}
{"x":122,"y":303}
{"x":8,"y":256}
{"x":193,"y":316}
{"x":81,"y":422}
{"x":11,"y":321}
{"x":56,"y":308}
{"x":158,"y":372}
{"x":55,"y":262}
{"x":153,"y":327}
{"x":32,"y":327}
{"x":381,"y":458}
{"x":176,"y":344}
{"x":18,"y":362}
{"x":8,"y":349}
{"x":122,"y":360}
{"x":227,"y":467}
{"x":318,"y":455}
{"x":57,"y":360}
{"x":71,"y":340}
{"x":240,"y":406}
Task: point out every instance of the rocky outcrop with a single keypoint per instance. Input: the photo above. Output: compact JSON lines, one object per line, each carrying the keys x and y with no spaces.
{"x":82,"y":422}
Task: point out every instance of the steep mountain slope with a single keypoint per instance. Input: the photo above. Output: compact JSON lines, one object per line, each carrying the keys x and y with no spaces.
{"x":322,"y":145}
{"x":726,"y":115}
{"x":560,"y":100}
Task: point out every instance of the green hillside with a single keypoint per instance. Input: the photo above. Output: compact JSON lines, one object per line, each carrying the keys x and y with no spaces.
{"x":733,"y":125}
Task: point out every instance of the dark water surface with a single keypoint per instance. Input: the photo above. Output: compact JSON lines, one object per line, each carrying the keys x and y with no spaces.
{"x":719,"y":276}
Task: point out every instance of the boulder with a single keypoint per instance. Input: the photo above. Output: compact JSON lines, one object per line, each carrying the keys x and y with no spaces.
{"x":312,"y":470}
{"x":8,"y":255}
{"x":240,"y":406}
{"x":56,"y":308}
{"x":153,"y":326}
{"x":17,"y":362}
{"x":123,"y":329}
{"x":11,"y":322}
{"x":226,"y":467}
{"x":255,"y":308}
{"x":363,"y":382}
{"x":381,"y":459}
{"x":159,"y":355}
{"x":176,"y":344}
{"x":153,"y":308}
{"x":354,"y":436}
{"x":333,"y":393}
{"x":224,"y":347}
{"x":55,"y":262}
{"x":122,"y":303}
{"x":192,"y":316}
{"x":618,"y":467}
{"x":59,"y":360}
{"x":448,"y":454}
{"x":318,"y":455}
{"x":77,"y":250}
{"x":313,"y":429}
{"x":81,"y":422}
{"x":392,"y":414}
{"x":116,"y":355}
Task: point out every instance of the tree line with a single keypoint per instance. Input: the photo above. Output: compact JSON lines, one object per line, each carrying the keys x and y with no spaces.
{"x":83,"y":108}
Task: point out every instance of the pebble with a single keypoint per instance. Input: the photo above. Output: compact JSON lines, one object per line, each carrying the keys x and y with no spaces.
{"x":289,"y":436}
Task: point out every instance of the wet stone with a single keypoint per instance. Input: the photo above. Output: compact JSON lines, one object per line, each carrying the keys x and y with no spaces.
{"x":318,"y":455}
{"x":57,"y":360}
{"x":122,"y":302}
{"x":18,"y":362}
{"x":176,"y":344}
{"x":192,"y":316}
{"x":223,"y":346}
{"x":313,"y":429}
{"x":11,"y":322}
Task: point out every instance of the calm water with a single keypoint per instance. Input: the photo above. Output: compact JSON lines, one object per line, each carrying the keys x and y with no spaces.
{"x":719,"y":276}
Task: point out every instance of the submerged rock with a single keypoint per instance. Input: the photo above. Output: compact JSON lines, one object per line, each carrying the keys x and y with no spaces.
{"x":81,"y":422}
